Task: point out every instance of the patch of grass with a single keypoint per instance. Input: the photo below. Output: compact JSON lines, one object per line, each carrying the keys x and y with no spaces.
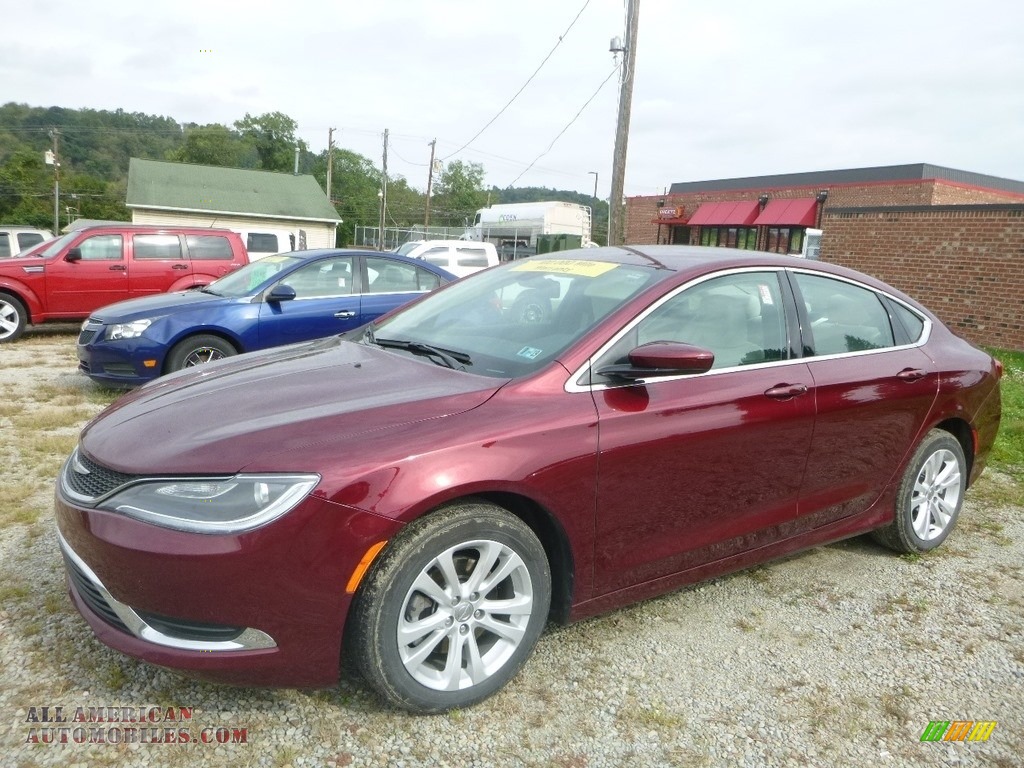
{"x":1008,"y":451}
{"x":49,"y":418}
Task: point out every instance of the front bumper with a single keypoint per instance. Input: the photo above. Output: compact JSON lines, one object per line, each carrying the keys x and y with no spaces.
{"x":118,"y":363}
{"x":263,"y":608}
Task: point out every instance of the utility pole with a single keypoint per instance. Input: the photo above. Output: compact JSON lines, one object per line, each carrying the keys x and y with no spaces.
{"x":593,"y":211}
{"x":330,"y":161}
{"x":430,"y":184}
{"x":615,"y":225}
{"x":55,"y":133}
{"x":383,"y":195}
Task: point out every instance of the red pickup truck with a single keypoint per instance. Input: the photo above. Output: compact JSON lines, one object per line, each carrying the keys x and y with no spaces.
{"x":99,"y":265}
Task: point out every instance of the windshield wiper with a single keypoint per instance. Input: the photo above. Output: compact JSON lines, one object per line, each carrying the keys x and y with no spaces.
{"x":448,"y":357}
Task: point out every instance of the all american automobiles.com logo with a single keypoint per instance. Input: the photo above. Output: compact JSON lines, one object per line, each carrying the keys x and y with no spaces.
{"x":125,"y":725}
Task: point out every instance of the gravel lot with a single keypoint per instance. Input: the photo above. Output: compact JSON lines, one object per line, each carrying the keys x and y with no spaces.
{"x":838,"y":656}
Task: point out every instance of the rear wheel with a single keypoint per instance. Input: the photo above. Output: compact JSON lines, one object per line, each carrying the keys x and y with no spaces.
{"x":452,"y":609}
{"x":13,"y":318}
{"x":196,"y":350}
{"x":930,"y":496}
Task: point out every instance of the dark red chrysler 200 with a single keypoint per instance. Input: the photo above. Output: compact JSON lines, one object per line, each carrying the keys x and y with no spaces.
{"x":547,"y":439}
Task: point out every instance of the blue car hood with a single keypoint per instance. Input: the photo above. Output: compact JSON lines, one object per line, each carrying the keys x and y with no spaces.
{"x":158,"y":304}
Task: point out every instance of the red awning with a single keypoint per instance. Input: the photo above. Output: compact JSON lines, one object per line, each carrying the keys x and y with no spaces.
{"x":731,"y":213}
{"x":671,"y":222}
{"x":799,"y":212}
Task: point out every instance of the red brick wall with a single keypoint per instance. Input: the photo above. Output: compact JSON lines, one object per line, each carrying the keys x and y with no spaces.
{"x":965,"y":265}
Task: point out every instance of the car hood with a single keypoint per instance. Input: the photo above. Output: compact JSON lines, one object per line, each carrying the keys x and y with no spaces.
{"x":158,"y":304}
{"x":223,"y":417}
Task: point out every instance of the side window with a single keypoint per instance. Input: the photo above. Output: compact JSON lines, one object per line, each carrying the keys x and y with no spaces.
{"x":208,"y":247}
{"x":102,"y":248}
{"x":739,"y":317}
{"x":470,"y":257}
{"x":844,"y":317}
{"x":439,"y":257}
{"x":912,"y":322}
{"x":27,"y":239}
{"x":261,"y":242}
{"x":386,"y":276}
{"x":5,"y":244}
{"x":322,"y":279}
{"x":157,"y":247}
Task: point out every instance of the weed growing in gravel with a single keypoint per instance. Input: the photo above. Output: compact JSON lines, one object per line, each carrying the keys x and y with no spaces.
{"x":1008,"y":452}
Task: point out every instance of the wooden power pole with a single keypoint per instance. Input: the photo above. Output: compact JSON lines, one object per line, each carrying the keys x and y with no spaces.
{"x":430,"y":184}
{"x":616,"y":230}
{"x":383,"y":194}
{"x":330,"y":162}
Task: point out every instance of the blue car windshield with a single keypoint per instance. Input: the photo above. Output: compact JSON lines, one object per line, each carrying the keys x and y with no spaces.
{"x":243,"y":281}
{"x":512,"y":320}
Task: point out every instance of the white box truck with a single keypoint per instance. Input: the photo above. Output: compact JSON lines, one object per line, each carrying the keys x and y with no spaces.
{"x":518,"y":224}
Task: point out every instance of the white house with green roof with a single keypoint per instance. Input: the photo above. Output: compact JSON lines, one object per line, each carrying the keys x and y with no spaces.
{"x":253,"y":203}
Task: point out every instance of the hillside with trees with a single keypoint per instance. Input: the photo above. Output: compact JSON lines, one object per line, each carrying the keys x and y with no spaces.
{"x":95,"y":146}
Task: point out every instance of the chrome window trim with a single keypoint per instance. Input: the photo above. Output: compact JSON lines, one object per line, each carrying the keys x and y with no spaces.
{"x":573,"y":385}
{"x":250,"y":639}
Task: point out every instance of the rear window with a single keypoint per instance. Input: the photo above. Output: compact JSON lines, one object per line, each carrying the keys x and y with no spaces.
{"x":209,"y":247}
{"x":157,"y":247}
{"x":471,"y":257}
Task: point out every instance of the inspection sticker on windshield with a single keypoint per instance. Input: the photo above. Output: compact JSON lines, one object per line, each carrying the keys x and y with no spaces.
{"x":530,"y":353}
{"x":566,"y":267}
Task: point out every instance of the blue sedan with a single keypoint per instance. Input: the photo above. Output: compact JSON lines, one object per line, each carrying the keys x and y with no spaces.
{"x":277,"y":300}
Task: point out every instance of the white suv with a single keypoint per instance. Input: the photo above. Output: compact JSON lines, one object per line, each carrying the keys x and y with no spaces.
{"x":460,"y":257}
{"x":14,"y":239}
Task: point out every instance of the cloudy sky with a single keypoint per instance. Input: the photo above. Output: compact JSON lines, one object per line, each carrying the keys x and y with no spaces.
{"x":722,"y":89}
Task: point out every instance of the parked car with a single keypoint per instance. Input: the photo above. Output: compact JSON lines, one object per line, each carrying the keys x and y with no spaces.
{"x":423,"y":494}
{"x":460,"y":257}
{"x":95,"y":266}
{"x":277,"y":300}
{"x":15,"y":239}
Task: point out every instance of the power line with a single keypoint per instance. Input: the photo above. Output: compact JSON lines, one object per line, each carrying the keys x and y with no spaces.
{"x":528,"y":81}
{"x":568,"y":125}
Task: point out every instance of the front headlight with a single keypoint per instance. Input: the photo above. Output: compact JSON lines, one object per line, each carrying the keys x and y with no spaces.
{"x":227,"y":505}
{"x":130,"y":330}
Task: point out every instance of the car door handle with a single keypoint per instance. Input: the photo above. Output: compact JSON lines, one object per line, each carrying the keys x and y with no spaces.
{"x":180,"y":266}
{"x":911,"y":374}
{"x":345,"y":313}
{"x":118,"y":267}
{"x":785,"y":391}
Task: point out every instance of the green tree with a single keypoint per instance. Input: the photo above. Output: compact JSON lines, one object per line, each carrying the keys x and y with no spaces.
{"x":273,"y":137}
{"x":458,"y":194}
{"x":355,"y":182}
{"x":215,"y":144}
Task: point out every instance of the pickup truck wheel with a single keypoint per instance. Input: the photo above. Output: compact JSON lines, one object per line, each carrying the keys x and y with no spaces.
{"x":196,"y":350}
{"x":13,"y":318}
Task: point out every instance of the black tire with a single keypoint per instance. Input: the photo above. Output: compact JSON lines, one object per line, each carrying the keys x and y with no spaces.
{"x":195,"y":350}
{"x":531,"y":307}
{"x":13,"y":318}
{"x":930,"y":496}
{"x":413,"y":675}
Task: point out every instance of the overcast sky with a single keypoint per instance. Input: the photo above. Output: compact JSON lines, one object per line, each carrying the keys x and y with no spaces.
{"x":722,"y":89}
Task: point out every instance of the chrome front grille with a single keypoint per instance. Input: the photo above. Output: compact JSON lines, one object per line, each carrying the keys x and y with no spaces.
{"x":90,"y":481}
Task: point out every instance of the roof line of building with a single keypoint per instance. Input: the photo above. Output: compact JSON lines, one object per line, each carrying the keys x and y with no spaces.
{"x":851,"y":176}
{"x":965,"y":208}
{"x":236,"y":214}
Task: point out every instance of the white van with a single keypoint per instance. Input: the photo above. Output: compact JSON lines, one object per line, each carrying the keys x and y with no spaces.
{"x":460,"y":257}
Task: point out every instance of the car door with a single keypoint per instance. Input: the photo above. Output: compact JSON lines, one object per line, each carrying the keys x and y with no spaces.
{"x":100,"y":277}
{"x":326,"y":302}
{"x":697,"y":468}
{"x":391,"y":283}
{"x":156,"y":262}
{"x":873,"y":390}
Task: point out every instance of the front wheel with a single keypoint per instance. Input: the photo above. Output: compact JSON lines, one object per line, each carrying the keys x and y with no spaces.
{"x":930,"y":496}
{"x":197,"y":350}
{"x":13,"y":318}
{"x":452,"y":609}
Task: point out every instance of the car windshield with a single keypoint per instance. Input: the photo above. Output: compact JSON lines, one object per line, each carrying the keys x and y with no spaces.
{"x":56,"y":246}
{"x":403,"y":250}
{"x":512,"y":320}
{"x":243,"y":281}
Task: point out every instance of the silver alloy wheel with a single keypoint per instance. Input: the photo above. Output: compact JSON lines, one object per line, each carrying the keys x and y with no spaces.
{"x":465,"y":615}
{"x":201,"y":355}
{"x":936,"y":494}
{"x":9,"y":319}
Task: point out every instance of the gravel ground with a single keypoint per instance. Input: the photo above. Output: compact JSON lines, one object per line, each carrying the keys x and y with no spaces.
{"x":838,"y":656}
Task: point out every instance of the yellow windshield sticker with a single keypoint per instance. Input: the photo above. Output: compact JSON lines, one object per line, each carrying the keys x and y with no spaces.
{"x":566,"y":267}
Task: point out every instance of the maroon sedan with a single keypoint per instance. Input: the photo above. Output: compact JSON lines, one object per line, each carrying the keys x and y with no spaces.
{"x":544,"y":440}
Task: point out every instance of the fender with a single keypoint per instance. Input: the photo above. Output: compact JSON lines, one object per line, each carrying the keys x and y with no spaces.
{"x":184,"y":283}
{"x":32,"y":301}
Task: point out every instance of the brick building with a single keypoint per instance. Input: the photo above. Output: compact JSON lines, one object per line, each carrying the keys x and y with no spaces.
{"x":952,"y":239}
